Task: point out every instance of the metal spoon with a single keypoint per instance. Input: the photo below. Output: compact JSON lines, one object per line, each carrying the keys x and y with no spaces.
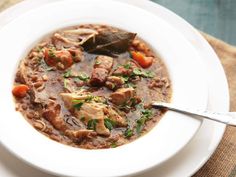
{"x":228,"y":118}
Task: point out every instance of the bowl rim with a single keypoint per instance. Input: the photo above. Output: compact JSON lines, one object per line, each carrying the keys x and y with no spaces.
{"x":198,"y":123}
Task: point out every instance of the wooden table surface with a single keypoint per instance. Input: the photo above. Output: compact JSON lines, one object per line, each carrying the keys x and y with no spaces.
{"x":215,"y":17}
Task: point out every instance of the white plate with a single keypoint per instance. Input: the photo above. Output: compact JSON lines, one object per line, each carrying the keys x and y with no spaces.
{"x":173,"y":131}
{"x":202,"y":146}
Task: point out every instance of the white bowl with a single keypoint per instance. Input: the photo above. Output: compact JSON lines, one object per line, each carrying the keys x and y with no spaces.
{"x":171,"y":134}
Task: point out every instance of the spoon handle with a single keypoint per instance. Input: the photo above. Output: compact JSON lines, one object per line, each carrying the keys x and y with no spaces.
{"x":228,"y":118}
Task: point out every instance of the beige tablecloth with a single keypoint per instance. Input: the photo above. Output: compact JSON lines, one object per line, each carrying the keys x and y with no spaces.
{"x":223,"y":161}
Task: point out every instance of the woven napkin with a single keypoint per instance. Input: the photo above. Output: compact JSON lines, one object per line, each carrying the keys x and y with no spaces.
{"x":223,"y":161}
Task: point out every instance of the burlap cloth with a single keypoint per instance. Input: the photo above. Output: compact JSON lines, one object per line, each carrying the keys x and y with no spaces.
{"x":223,"y":161}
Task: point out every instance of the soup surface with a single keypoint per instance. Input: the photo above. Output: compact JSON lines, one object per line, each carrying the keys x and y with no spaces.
{"x":91,"y":86}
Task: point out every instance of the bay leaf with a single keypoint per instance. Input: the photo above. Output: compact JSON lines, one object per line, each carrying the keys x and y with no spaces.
{"x":109,"y":43}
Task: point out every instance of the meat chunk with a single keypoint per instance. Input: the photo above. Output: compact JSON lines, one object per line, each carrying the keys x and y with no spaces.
{"x":76,"y":53}
{"x":122,"y":95}
{"x":114,"y":82}
{"x":114,"y":116}
{"x":90,"y":111}
{"x":104,"y":62}
{"x":94,"y":111}
{"x":21,"y":75}
{"x":80,"y":134}
{"x":98,"y":77}
{"x":102,"y":67}
{"x":126,"y":69}
{"x":69,"y":97}
{"x":52,"y":114}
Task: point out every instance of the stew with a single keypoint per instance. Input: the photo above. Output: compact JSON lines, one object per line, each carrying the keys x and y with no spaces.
{"x":90,"y":86}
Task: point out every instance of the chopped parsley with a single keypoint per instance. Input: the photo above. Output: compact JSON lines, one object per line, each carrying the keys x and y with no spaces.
{"x":67,"y":74}
{"x":125,"y":78}
{"x":113,"y":145}
{"x":66,"y":82}
{"x":82,"y":118}
{"x":92,"y":124}
{"x":81,"y":76}
{"x":109,"y":123}
{"x":51,"y":53}
{"x":97,"y":62}
{"x":127,"y":66}
{"x":145,"y":115}
{"x":78,"y":105}
{"x":139,"y":72}
{"x":128,"y":133}
{"x":38,"y":49}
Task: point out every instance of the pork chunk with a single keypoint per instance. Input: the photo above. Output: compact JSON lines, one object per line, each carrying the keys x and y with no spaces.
{"x":52,"y":114}
{"x":114,"y":82}
{"x":114,"y":116}
{"x":122,"y":95}
{"x":94,"y":111}
{"x":80,"y":134}
{"x":98,"y":77}
{"x":69,"y":97}
{"x":104,"y":62}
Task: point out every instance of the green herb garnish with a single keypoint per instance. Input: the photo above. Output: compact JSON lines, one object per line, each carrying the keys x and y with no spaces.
{"x":145,"y":115}
{"x":97,"y":62}
{"x":78,"y":105}
{"x":128,"y":133}
{"x":66,"y":82}
{"x":82,"y":118}
{"x":67,"y":74}
{"x":131,"y":85}
{"x":113,"y":145}
{"x":83,"y":77}
{"x":125,"y":78}
{"x":139,"y":72}
{"x":92,"y":124}
{"x":127,"y":66}
{"x":109,"y":123}
{"x":38,"y":49}
{"x":51,"y":54}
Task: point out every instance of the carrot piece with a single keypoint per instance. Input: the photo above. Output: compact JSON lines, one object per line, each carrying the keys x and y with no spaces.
{"x":20,"y":91}
{"x":142,"y":60}
{"x":53,"y":57}
{"x":50,"y":57}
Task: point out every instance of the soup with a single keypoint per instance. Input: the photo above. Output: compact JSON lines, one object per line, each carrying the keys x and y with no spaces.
{"x":91,"y":86}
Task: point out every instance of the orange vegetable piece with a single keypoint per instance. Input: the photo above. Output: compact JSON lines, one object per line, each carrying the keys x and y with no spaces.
{"x":142,"y":60}
{"x":20,"y":91}
{"x":65,"y":58}
{"x":52,"y":57}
